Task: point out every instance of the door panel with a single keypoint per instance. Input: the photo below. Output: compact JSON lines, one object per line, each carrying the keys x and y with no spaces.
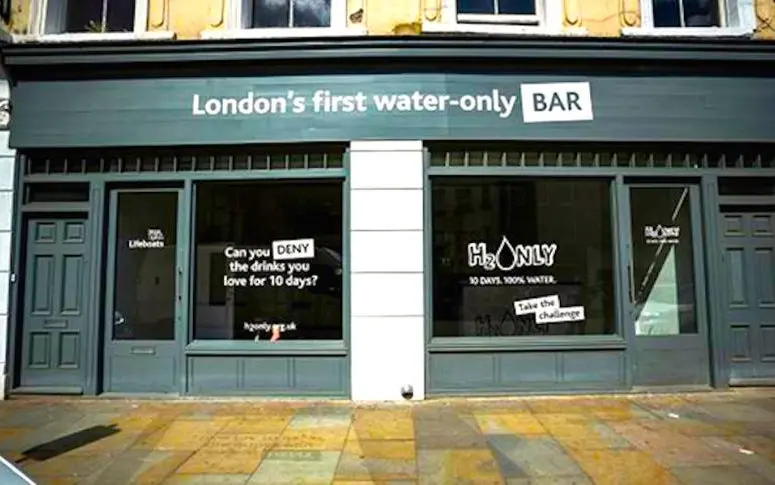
{"x":143,"y":292}
{"x":749,"y":262}
{"x":54,"y":318}
{"x":664,"y":294}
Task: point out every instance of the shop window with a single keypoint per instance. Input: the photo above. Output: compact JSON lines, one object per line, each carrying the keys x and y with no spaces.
{"x":662,"y":261}
{"x":268,"y":261}
{"x":536,"y":260}
{"x":88,"y":16}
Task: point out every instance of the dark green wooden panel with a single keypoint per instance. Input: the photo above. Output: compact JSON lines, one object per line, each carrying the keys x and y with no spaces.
{"x":159,"y":111}
{"x":320,"y":376}
{"x":525,"y":372}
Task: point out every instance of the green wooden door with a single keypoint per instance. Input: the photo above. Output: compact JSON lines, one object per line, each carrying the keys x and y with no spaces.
{"x":54,"y":318}
{"x":749,"y":265}
{"x":143,"y":301}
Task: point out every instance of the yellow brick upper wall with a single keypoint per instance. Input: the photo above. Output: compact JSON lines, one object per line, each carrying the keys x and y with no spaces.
{"x":188,"y":18}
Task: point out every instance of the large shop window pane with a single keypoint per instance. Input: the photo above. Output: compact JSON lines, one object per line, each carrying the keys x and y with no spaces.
{"x":662,"y":286}
{"x":522,"y":257}
{"x":146,"y":239}
{"x":268,"y":261}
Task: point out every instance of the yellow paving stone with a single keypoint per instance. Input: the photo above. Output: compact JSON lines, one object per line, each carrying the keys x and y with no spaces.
{"x":187,"y":435}
{"x":519,"y":423}
{"x":478,"y":466}
{"x":240,"y":442}
{"x":614,"y":414}
{"x":568,"y":425}
{"x":328,"y":439}
{"x":387,"y":425}
{"x":115,"y":442}
{"x":382,"y":449}
{"x":272,"y":424}
{"x":618,"y":467}
{"x":9,"y":433}
{"x":135,"y":422}
{"x":205,"y":462}
{"x":157,"y":472}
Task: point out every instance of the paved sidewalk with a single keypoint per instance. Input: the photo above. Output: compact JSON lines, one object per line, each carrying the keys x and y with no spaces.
{"x":704,"y":439}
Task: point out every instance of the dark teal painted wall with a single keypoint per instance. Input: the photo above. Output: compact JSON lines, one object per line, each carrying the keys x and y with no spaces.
{"x":159,"y":111}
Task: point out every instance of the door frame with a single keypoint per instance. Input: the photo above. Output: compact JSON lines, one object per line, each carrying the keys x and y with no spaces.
{"x":666,"y":342}
{"x":182,"y":256}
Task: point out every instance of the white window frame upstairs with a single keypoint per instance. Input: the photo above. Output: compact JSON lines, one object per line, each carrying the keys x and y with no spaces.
{"x":40,"y":10}
{"x":546,"y":21}
{"x":737,"y":19}
{"x":239,"y":20}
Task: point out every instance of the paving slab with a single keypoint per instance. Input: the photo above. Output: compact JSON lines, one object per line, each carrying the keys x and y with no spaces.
{"x":702,"y":438}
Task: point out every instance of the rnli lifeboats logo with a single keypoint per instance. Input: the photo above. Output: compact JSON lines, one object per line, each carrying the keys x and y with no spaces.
{"x":660,"y":234}
{"x":154,"y":239}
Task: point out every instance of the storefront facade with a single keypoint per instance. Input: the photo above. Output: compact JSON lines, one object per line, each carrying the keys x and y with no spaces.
{"x":234,"y":219}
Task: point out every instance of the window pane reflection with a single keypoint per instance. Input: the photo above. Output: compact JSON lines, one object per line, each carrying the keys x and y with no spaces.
{"x":662,"y":268}
{"x":291,"y":13}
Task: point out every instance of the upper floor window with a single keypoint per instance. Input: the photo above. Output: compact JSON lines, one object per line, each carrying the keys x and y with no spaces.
{"x":521,"y":12}
{"x":499,"y":17}
{"x":712,"y":18}
{"x":87,"y":16}
{"x":288,"y":17}
{"x":687,"y":13}
{"x":291,"y":13}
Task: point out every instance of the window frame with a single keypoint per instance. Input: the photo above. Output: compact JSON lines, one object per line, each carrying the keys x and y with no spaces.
{"x":39,"y":15}
{"x":239,"y":17}
{"x":737,"y":19}
{"x":548,"y":20}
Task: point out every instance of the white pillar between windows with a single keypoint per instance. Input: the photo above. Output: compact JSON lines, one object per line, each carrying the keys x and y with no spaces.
{"x":7,"y":181}
{"x":386,"y":269}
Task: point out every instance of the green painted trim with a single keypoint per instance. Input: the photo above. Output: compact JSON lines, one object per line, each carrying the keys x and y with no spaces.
{"x":185,"y":256}
{"x":700,"y":277}
{"x":486,"y":344}
{"x":199,"y":176}
{"x":597,"y":172}
{"x":549,"y":389}
{"x":746,"y":200}
{"x":264,"y":348}
{"x":56,"y":207}
{"x":15,"y":318}
{"x":621,"y":233}
{"x":427,"y":210}
{"x":346,"y":276}
{"x":49,"y":390}
{"x":109,"y":285}
{"x":720,"y":336}
{"x":426,"y":47}
{"x":94,"y":329}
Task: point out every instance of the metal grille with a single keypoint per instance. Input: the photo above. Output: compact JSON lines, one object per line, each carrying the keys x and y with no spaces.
{"x":260,"y":158}
{"x":620,"y":157}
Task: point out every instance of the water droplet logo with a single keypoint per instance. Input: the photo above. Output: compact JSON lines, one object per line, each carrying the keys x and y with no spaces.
{"x":507,"y":261}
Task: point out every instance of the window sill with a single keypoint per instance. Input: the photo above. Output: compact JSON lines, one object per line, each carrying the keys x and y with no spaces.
{"x":271,"y":33}
{"x":244,"y":347}
{"x":485,"y":344}
{"x":710,"y":32}
{"x":499,"y":29}
{"x":96,"y":37}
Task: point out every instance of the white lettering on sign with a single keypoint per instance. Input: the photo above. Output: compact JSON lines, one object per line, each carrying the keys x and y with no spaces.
{"x":661,"y":234}
{"x":540,"y":102}
{"x":507,"y":256}
{"x":560,"y":315}
{"x":293,"y":249}
{"x":556,"y":102}
{"x":154,"y":239}
{"x":533,"y":305}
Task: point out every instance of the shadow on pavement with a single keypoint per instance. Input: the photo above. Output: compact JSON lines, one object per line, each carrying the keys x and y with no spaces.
{"x":59,"y":446}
